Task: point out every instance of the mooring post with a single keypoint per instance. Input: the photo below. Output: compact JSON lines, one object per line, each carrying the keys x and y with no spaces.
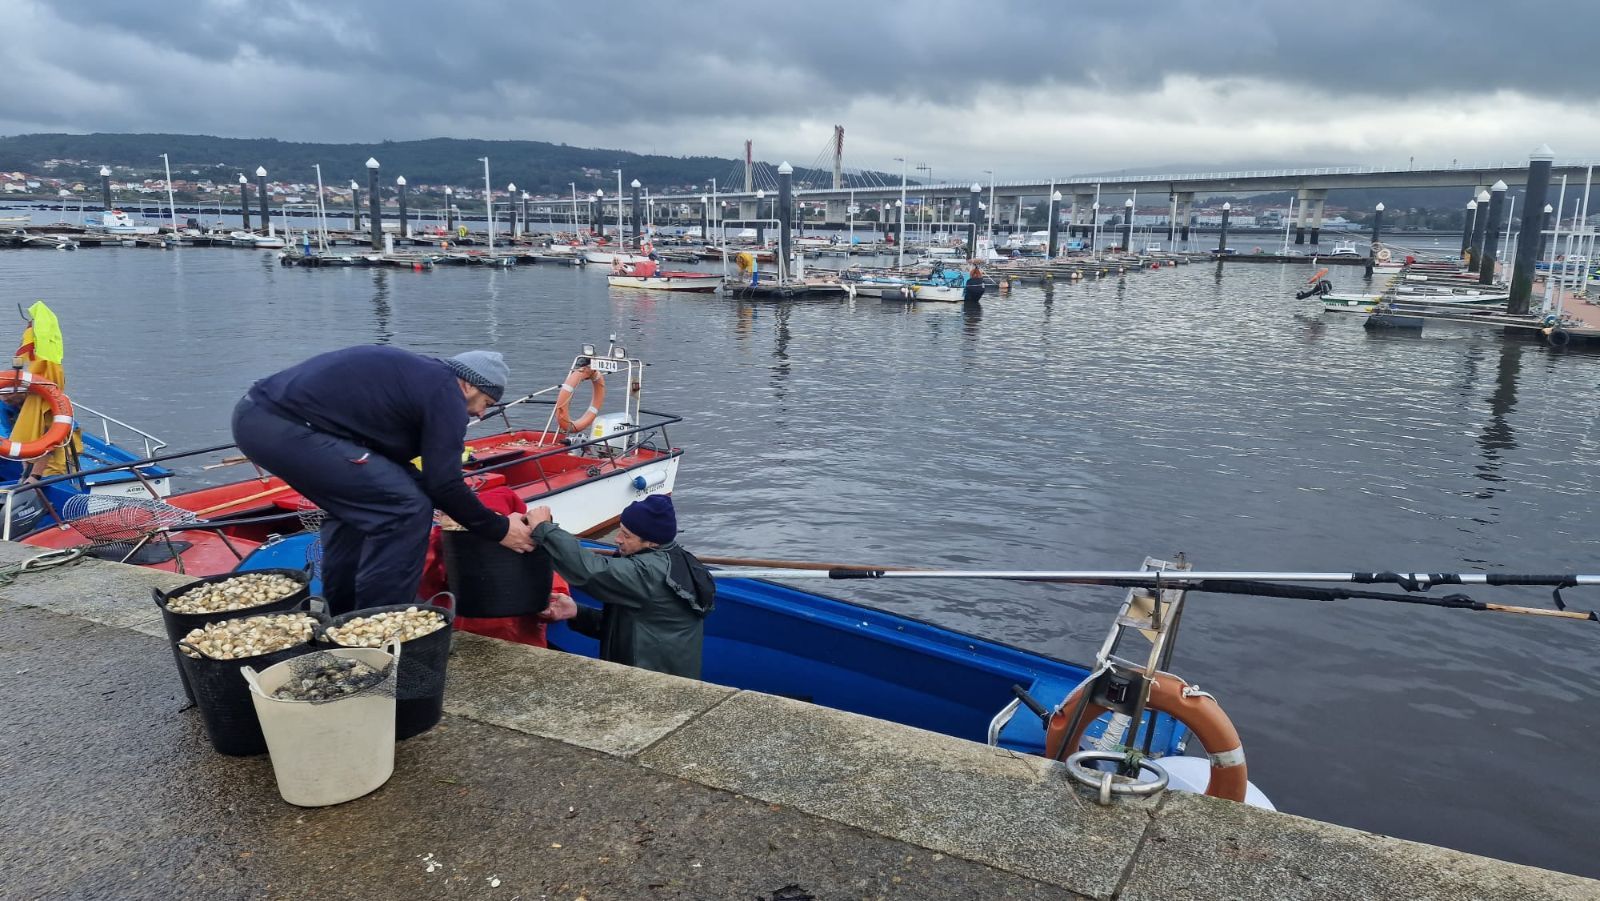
{"x":449,"y":213}
{"x":597,"y":208}
{"x":761,"y":226}
{"x":1480,"y":224}
{"x":634,"y":224}
{"x":1127,"y":225}
{"x":405,"y":220}
{"x":1468,"y":223}
{"x":1222,"y":238}
{"x":1530,"y":240}
{"x":244,"y":201}
{"x":105,"y":188}
{"x":526,"y":227}
{"x":355,"y":206}
{"x":375,"y":208}
{"x":785,"y":216}
{"x":1491,"y":233}
{"x":705,"y":218}
{"x":261,"y":188}
{"x":1377,"y":235}
{"x":1054,"y":232}
{"x":977,"y":220}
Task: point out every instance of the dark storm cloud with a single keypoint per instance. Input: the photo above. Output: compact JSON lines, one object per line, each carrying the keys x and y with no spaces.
{"x":418,"y":68}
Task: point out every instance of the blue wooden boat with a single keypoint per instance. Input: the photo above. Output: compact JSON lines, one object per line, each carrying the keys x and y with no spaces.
{"x":117,"y":476}
{"x":773,"y":638}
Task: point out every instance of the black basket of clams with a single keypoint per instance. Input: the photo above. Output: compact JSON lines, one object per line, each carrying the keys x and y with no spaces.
{"x":423,"y":631}
{"x":228,"y":596}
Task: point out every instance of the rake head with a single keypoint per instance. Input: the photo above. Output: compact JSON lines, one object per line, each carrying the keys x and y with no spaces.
{"x":108,"y":521}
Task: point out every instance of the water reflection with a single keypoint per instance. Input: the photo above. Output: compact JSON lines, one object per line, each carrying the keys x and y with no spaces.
{"x":1498,"y":435}
{"x":381,"y":311}
{"x":780,"y":351}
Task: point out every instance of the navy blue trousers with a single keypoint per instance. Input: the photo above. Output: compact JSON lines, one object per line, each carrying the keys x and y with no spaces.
{"x":375,"y":537}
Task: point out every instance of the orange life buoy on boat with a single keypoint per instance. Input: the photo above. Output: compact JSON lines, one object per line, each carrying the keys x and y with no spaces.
{"x":1184,"y":703}
{"x":574,"y":378}
{"x":60,"y":409}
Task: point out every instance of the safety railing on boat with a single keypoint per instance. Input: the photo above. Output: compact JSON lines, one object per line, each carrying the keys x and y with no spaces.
{"x":607,"y":455}
{"x":152,"y":444}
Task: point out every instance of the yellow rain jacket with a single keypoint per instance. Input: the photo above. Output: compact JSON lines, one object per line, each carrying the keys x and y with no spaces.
{"x":41,"y":353}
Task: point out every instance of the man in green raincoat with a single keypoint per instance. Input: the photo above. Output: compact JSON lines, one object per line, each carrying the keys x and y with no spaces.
{"x":656,"y":595}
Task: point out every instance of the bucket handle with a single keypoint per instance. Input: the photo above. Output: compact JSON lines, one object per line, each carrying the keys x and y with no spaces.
{"x":249,"y":673}
{"x":434,"y":601}
{"x":182,"y":643}
{"x":160,"y":598}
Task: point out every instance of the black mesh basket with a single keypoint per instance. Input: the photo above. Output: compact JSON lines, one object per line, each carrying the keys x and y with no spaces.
{"x":489,"y":579}
{"x":181,"y":624}
{"x":223,"y":696}
{"x":419,"y":686}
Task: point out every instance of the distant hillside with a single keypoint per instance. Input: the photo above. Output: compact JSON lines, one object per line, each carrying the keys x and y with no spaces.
{"x":535,"y":166}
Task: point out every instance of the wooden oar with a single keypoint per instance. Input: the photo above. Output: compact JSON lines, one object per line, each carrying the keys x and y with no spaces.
{"x":199,"y":514}
{"x":226,"y":461}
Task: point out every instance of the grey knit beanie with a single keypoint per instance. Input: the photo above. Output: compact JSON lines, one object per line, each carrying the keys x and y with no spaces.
{"x":484,"y":370}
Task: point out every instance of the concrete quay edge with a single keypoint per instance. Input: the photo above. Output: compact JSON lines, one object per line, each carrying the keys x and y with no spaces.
{"x":1014,"y":813}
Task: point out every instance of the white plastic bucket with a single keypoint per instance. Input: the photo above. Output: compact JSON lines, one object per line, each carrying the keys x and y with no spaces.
{"x":328,"y":752}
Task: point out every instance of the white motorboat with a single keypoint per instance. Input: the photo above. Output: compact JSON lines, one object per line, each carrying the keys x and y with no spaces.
{"x":115,"y":222}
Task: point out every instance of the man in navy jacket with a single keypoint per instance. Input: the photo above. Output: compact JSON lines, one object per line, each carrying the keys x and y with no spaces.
{"x":341,"y":428}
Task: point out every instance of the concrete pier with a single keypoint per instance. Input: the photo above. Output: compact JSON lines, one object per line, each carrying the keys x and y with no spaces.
{"x":563,"y":777}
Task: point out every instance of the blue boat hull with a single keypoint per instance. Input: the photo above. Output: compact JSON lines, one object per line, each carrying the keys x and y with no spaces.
{"x":779,"y":640}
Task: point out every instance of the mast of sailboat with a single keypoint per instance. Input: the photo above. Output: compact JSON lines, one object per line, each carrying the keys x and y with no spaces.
{"x":622,"y":232}
{"x":488,"y":203}
{"x":172,"y":208}
{"x":1552,"y":297}
{"x":1286,"y":223}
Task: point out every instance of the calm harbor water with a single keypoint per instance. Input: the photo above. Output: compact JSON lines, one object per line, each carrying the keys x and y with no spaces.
{"x":1189,"y":409}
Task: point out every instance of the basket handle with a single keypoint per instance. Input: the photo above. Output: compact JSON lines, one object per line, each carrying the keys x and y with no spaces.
{"x":249,"y":673}
{"x":434,"y":601}
{"x":199,"y":654}
{"x":160,"y":599}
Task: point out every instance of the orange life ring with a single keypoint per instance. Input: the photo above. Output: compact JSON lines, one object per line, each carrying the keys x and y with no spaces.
{"x":60,"y":408}
{"x":1190,"y":706}
{"x":564,"y":403}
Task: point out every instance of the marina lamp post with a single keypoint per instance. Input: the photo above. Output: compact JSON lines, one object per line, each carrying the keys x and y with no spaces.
{"x":244,"y":199}
{"x":355,"y":206}
{"x":261,"y":189}
{"x":105,"y":189}
{"x":1127,"y":225}
{"x":976,"y":220}
{"x":638,"y":232}
{"x":705,"y":218}
{"x":761,"y":230}
{"x":1054,"y":233}
{"x":513,"y":229}
{"x":1094,"y":230}
{"x":525,"y":226}
{"x":405,"y":218}
{"x":449,"y":212}
{"x":598,"y":226}
{"x":1377,"y":226}
{"x":374,"y":209}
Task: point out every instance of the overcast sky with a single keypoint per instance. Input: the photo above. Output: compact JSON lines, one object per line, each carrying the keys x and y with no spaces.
{"x":1025,"y":88}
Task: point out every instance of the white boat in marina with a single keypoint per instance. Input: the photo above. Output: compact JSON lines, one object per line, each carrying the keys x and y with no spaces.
{"x":259,"y":242}
{"x":607,"y":257}
{"x":115,"y":222}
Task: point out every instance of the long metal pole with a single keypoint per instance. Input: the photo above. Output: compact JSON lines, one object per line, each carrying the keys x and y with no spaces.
{"x":172,"y":208}
{"x":574,"y":186}
{"x":488,"y":203}
{"x":622,"y":240}
{"x":1552,"y":297}
{"x":900,"y":239}
{"x":322,"y":211}
{"x":1420,"y":581}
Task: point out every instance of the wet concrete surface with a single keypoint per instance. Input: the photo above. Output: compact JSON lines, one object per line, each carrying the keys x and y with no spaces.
{"x":109,"y":789}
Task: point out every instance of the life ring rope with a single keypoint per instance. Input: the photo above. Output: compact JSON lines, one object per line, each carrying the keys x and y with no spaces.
{"x":597,"y":381}
{"x":61,"y":421}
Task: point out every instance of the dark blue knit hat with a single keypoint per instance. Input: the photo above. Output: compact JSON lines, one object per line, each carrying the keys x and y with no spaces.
{"x":652,"y":519}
